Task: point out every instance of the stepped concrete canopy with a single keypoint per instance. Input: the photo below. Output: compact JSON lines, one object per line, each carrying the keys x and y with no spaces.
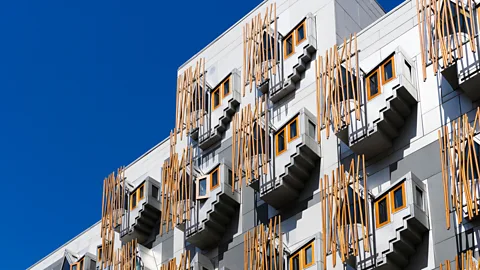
{"x":394,"y":132}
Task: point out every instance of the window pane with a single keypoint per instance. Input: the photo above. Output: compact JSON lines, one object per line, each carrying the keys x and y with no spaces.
{"x":155,"y":192}
{"x":295,"y":263}
{"x":202,"y":189}
{"x":382,"y":211}
{"x":229,"y":177}
{"x":226,"y":87}
{"x":373,"y":84}
{"x":81,"y":265}
{"x":300,"y":33}
{"x":215,"y":178}
{"x":142,"y":192}
{"x":311,"y":129}
{"x":74,"y":267}
{"x":281,"y":141}
{"x":133,"y":199}
{"x":216,"y":98}
{"x":293,"y":129}
{"x":308,"y":255}
{"x":388,"y":70}
{"x":289,"y":46}
{"x":419,"y":197}
{"x":398,"y":198}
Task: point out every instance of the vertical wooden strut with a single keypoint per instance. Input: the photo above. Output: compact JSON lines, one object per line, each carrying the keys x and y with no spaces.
{"x":342,"y":213}
{"x":443,"y":36}
{"x":125,"y":258}
{"x":183,"y":264}
{"x":176,"y":190}
{"x":259,"y":54}
{"x":466,"y":262}
{"x":337,"y":86}
{"x":113,"y":201}
{"x":191,"y":98}
{"x":460,"y":168}
{"x":263,"y":248}
{"x":250,"y":143}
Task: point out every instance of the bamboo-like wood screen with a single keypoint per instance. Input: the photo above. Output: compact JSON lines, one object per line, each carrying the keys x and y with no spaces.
{"x":259,"y":244}
{"x":126,"y":257}
{"x":259,"y":51}
{"x":176,"y":193}
{"x":337,"y":84}
{"x":184,"y":263}
{"x":458,"y":157}
{"x":339,"y":222}
{"x":191,"y":99}
{"x":463,"y":262}
{"x":113,"y":201}
{"x":250,"y":142}
{"x":439,"y":31}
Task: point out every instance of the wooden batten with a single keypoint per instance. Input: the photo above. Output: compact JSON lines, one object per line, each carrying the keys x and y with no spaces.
{"x":337,"y":218}
{"x":257,"y":67}
{"x":466,"y":261}
{"x":125,"y":258}
{"x":182,"y":264}
{"x":333,"y":97}
{"x":250,"y":143}
{"x":459,"y":164}
{"x":438,"y":36}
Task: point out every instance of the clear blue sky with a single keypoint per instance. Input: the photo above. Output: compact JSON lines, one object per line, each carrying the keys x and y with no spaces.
{"x":87,"y":86}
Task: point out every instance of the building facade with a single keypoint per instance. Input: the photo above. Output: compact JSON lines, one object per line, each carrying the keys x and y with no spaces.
{"x":321,"y":134}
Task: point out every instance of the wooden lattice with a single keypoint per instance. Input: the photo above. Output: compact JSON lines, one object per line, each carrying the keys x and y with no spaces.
{"x":113,"y":201}
{"x":339,"y":222}
{"x":259,"y":244}
{"x":439,"y":31}
{"x":191,"y":99}
{"x":337,"y":84}
{"x":184,"y":263}
{"x":126,"y":257}
{"x":465,"y":261}
{"x":250,"y":142}
{"x":458,"y":157}
{"x":260,"y":48}
{"x":176,"y":188}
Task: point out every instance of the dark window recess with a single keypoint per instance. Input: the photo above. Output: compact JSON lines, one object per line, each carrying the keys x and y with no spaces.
{"x":293,"y":129}
{"x":226,"y":87}
{"x":295,"y":263}
{"x":348,"y":83}
{"x":216,"y":98}
{"x":301,"y":32}
{"x":373,"y":83}
{"x":281,"y":141}
{"x":289,"y":45}
{"x":134,"y":201}
{"x":142,"y":191}
{"x":155,"y":192}
{"x":354,"y":208}
{"x":382,"y":211}
{"x":311,"y":129}
{"x":229,"y":177}
{"x":398,"y":197}
{"x":215,"y":178}
{"x":419,"y":197}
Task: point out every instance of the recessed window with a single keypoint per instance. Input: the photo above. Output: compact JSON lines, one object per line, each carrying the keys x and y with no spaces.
{"x":226,"y":88}
{"x":373,"y":88}
{"x":288,"y":45}
{"x":301,"y":36}
{"x":202,"y":187}
{"x":308,"y":255}
{"x":398,"y":198}
{"x":133,"y":200}
{"x":419,"y":197}
{"x":155,"y":192}
{"x":388,"y":70}
{"x":303,"y":258}
{"x":78,"y":265}
{"x":141,"y":192}
{"x":312,"y":129}
{"x":229,"y":177}
{"x":136,"y":196}
{"x":99,"y":254}
{"x":293,"y":130}
{"x":214,"y":181}
{"x":73,"y":267}
{"x":295,"y":262}
{"x":215,"y":98}
{"x":382,"y":211}
{"x":281,"y":143}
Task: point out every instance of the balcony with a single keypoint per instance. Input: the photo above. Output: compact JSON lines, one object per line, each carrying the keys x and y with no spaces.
{"x":389,"y":104}
{"x":213,"y":208}
{"x":225,"y":98}
{"x":403,"y":223}
{"x":296,"y":63}
{"x":296,"y":154}
{"x":141,"y":219}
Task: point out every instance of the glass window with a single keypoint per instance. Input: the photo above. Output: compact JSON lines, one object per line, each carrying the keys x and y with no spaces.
{"x":372,"y":85}
{"x":214,"y":179}
{"x":226,"y":87}
{"x":288,"y":47}
{"x":419,"y":197}
{"x":281,"y":142}
{"x":155,"y":192}
{"x":295,"y":262}
{"x":388,"y":71}
{"x":293,"y":130}
{"x":202,"y":187}
{"x":308,"y":255}
{"x":311,"y":129}
{"x":74,"y":267}
{"x":301,"y":33}
{"x":398,"y":198}
{"x":80,"y":267}
{"x":229,"y":177}
{"x":382,"y":211}
{"x":216,"y":98}
{"x":133,"y":200}
{"x":141,"y":192}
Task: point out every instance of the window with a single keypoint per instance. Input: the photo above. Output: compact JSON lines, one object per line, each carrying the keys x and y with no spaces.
{"x":419,"y":197}
{"x":136,"y":196}
{"x":226,"y":87}
{"x":373,"y":88}
{"x":229,"y":177}
{"x":288,"y":46}
{"x":303,"y":258}
{"x":99,"y":254}
{"x":388,"y":70}
{"x":78,"y":265}
{"x":216,"y":101}
{"x":141,"y":192}
{"x":214,"y":181}
{"x":301,"y":36}
{"x":348,"y":83}
{"x":463,"y":18}
{"x":155,"y":192}
{"x":293,"y":130}
{"x":281,"y":142}
{"x":311,"y":129}
{"x":398,"y":198}
{"x":382,"y":212}
{"x":133,"y":200}
{"x":202,"y":187}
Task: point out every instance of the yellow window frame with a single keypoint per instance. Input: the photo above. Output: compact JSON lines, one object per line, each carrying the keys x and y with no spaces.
{"x":138,"y":195}
{"x":305,"y":265}
{"x":227,"y":80}
{"x":369,"y":96}
{"x":301,"y":256}
{"x":291,"y":35}
{"x":207,"y":186}
{"x":377,"y":212}
{"x":394,"y":75}
{"x":218,"y":178}
{"x":133,"y":197}
{"x":304,"y":33}
{"x":218,"y":89}
{"x":404,"y":202}
{"x":99,"y":254}
{"x":277,"y":152}
{"x":298,"y":129}
{"x":80,"y":264}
